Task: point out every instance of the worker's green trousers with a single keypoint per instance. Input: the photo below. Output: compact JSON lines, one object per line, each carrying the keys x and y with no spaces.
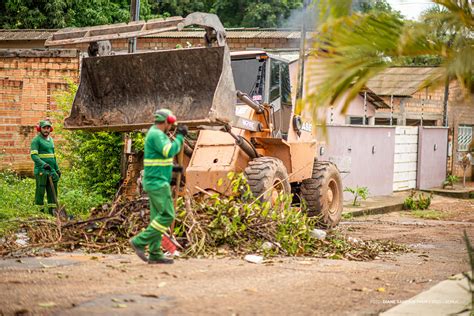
{"x":161,"y":217}
{"x":42,"y":186}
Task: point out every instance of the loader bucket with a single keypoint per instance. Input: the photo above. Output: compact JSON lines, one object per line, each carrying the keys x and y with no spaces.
{"x":122,"y":92}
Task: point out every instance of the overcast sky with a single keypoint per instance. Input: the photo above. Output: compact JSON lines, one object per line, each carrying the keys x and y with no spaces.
{"x":411,"y":9}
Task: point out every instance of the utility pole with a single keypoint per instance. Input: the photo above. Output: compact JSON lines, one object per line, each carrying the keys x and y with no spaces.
{"x":134,"y":16}
{"x":299,"y":88}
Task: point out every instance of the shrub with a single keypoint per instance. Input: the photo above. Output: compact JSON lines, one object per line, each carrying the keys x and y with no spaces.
{"x":450,"y":180}
{"x":95,"y":157}
{"x":362,"y":192}
{"x":417,"y":201}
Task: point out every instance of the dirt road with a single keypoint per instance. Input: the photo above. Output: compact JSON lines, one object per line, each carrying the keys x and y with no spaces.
{"x":78,"y":284}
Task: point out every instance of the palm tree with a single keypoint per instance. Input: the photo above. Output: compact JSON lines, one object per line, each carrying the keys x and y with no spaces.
{"x":352,"y":47}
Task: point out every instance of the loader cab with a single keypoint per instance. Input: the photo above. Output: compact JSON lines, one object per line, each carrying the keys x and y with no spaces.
{"x":266,"y":79}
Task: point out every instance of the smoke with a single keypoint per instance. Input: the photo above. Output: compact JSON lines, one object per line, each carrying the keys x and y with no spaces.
{"x":311,"y":12}
{"x":308,"y":14}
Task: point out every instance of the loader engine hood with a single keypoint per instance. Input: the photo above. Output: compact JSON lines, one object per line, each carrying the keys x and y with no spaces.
{"x":122,"y":92}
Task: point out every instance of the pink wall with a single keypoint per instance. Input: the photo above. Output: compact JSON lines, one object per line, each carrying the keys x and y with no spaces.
{"x":356,"y":108}
{"x":364,"y":155}
{"x":432,"y":155}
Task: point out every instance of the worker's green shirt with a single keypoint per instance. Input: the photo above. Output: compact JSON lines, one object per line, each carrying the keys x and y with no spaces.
{"x":158,"y":161}
{"x":42,"y":152}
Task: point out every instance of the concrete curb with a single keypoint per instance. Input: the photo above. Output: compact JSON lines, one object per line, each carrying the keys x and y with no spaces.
{"x":375,"y":210}
{"x":377,"y":205}
{"x":458,"y":194}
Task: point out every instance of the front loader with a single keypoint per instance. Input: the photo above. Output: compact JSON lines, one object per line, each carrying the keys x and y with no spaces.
{"x":239,"y":104}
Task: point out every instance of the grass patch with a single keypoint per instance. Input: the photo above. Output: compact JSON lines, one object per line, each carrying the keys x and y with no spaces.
{"x":347,"y":216}
{"x":428,"y":214}
{"x":17,"y":202}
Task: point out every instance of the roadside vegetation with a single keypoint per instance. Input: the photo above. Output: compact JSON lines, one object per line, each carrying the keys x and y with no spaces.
{"x":209,"y":226}
{"x":17,"y":202}
{"x":90,"y":164}
{"x":418,"y":203}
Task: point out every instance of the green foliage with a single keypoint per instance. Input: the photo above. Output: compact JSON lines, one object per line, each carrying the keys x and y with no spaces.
{"x":238,"y":224}
{"x":450,"y":181}
{"x":251,"y":13}
{"x":218,"y":221}
{"x":94,"y":156}
{"x":76,"y":13}
{"x":417,"y":201}
{"x":376,"y":6}
{"x":362,"y":192}
{"x":17,"y":200}
{"x":69,"y":13}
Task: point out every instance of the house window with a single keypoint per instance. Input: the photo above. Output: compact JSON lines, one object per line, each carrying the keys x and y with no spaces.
{"x":358,"y":120}
{"x":385,"y":121}
{"x":464,"y":137}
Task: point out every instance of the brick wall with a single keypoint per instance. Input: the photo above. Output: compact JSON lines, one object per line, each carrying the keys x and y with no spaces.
{"x":28,"y":82}
{"x":30,"y":78}
{"x":151,"y":43}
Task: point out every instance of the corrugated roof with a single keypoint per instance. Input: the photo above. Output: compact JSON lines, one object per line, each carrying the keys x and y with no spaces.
{"x":25,"y":35}
{"x":232,"y":33}
{"x":401,"y":81}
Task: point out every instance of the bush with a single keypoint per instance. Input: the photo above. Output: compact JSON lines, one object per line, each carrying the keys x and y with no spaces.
{"x":418,"y":201}
{"x":362,"y":192}
{"x":450,"y":181}
{"x":95,"y":157}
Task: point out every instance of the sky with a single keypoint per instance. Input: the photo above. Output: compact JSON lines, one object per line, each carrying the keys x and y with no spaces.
{"x":411,"y":9}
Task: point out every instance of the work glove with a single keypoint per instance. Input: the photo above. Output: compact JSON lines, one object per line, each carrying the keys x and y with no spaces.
{"x":47,"y":167}
{"x":182,"y":129}
{"x":177,"y":168}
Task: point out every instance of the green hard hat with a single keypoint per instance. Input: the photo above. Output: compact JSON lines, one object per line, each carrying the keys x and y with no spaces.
{"x":162,"y":114}
{"x":45,"y":123}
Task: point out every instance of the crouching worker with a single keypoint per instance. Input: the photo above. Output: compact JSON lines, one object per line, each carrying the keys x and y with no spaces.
{"x":158,"y":163}
{"x":42,"y":153}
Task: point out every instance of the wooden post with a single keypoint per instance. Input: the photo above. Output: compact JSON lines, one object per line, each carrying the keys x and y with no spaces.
{"x":365,"y":108}
{"x":391,"y":110}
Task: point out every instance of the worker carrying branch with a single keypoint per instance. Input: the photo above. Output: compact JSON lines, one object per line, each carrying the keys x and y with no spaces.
{"x":158,"y":163}
{"x":42,"y":153}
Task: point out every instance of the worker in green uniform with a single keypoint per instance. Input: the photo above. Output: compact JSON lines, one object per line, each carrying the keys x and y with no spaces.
{"x":158,"y":165}
{"x":42,"y":153}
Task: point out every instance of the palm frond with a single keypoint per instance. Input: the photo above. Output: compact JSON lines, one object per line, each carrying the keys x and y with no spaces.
{"x":351,"y":49}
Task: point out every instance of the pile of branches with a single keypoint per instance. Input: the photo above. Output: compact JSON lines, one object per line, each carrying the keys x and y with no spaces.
{"x":107,"y":230}
{"x":207,"y":226}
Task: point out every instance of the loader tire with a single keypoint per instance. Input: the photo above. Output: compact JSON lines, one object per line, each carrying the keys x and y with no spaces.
{"x":323,"y":193}
{"x":267,"y":177}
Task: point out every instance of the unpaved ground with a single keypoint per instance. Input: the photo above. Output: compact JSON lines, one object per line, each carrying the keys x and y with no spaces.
{"x":73,"y":284}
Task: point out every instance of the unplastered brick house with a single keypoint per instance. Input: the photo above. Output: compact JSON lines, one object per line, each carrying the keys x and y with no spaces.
{"x":28,"y":82}
{"x":411,"y":106}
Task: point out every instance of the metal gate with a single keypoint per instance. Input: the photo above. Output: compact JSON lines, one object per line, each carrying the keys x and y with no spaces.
{"x":406,"y":157}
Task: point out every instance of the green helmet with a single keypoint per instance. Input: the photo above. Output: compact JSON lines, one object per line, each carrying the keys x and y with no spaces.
{"x":162,"y":115}
{"x":45,"y":123}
